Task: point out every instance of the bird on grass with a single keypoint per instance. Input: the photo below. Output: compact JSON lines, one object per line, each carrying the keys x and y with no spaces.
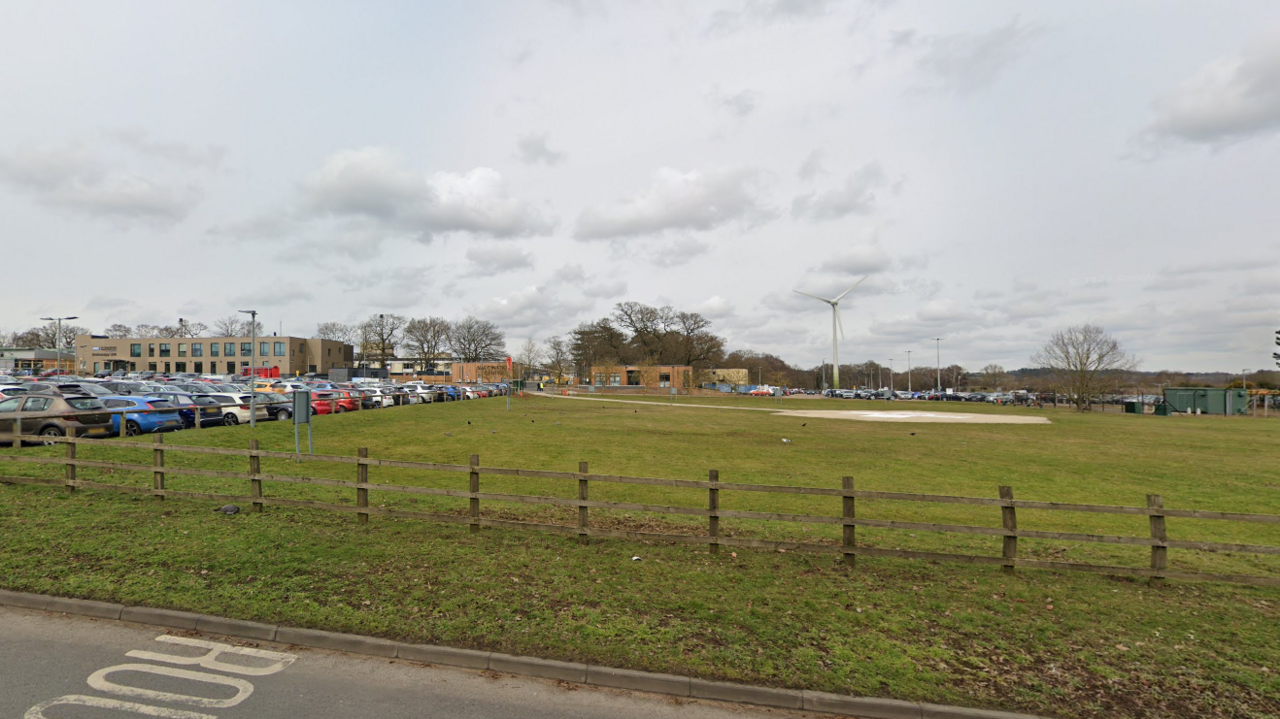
{"x":913,"y":434}
{"x":228,"y":509}
{"x":493,"y":431}
{"x":448,"y":434}
{"x":786,"y":441}
{"x":805,"y":424}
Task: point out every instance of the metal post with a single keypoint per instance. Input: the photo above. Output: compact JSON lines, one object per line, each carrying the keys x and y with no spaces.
{"x":938,"y":347}
{"x":253,"y":369}
{"x":908,"y":371}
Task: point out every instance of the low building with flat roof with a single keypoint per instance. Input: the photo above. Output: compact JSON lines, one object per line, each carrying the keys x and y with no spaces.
{"x":291,"y":356}
{"x":648,"y":376}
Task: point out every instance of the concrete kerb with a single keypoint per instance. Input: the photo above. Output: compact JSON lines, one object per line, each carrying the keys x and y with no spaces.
{"x":670,"y":684}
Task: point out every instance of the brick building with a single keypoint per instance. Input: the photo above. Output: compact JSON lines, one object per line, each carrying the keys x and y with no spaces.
{"x":211,"y":355}
{"x":648,"y":376}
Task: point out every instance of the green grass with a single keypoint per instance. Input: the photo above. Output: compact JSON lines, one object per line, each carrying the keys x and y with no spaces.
{"x":947,"y":633}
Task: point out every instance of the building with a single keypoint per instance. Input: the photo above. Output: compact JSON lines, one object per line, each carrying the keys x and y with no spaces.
{"x":479,"y":372}
{"x":17,"y":359}
{"x":648,"y":376}
{"x":290,"y":356}
{"x":734,"y":377}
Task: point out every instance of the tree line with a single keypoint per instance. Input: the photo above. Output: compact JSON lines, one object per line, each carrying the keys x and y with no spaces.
{"x":424,"y":340}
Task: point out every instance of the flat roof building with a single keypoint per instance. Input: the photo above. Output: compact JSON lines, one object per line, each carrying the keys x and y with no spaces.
{"x":291,"y":356}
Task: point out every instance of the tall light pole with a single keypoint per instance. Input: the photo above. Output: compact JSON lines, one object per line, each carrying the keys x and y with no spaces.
{"x":253,"y":369}
{"x":1244,"y":383}
{"x":57,"y":338}
{"x":938,"y":346}
{"x":908,"y":371}
{"x":890,"y":375}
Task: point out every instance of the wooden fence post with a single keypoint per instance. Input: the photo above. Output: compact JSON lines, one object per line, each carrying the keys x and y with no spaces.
{"x":362,"y":477}
{"x":1159,"y":553}
{"x":850,"y":531}
{"x":583,"y":469}
{"x":713,"y":505}
{"x":1009,"y":517}
{"x":157,"y":461}
{"x":255,"y":469}
{"x":71,"y":466}
{"x":123,"y":422}
{"x":474,"y":488}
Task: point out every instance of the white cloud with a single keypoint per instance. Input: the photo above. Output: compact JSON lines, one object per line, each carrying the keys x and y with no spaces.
{"x":678,"y":200}
{"x":967,"y":62}
{"x":811,"y":167}
{"x":570,"y":274}
{"x":1229,"y":100}
{"x":533,"y":150}
{"x":741,"y":103}
{"x":531,"y":310}
{"x":680,"y":252}
{"x":100,"y":182}
{"x":496,"y":259}
{"x":373,"y":183}
{"x":767,"y":12}
{"x":606,"y":290}
{"x":864,"y":258}
{"x":856,"y":196}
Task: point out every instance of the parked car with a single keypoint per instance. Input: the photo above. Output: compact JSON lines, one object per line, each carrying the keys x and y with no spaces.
{"x":137,"y":423}
{"x":187,"y":407}
{"x":279,"y":407}
{"x":67,"y":420}
{"x":233,"y":413}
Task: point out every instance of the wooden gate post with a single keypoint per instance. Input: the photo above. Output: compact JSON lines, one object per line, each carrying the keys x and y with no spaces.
{"x":255,"y":469}
{"x":583,"y":469}
{"x":850,"y":536}
{"x":1159,"y":552}
{"x":362,"y":477}
{"x":71,"y":466}
{"x":713,"y":505}
{"x":1009,"y":516}
{"x":474,"y":489}
{"x":157,"y":461}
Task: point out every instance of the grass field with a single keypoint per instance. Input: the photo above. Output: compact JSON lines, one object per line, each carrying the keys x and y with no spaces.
{"x":1071,"y":645}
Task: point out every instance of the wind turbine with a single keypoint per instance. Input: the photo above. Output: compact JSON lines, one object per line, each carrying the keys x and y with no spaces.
{"x":835,"y":322}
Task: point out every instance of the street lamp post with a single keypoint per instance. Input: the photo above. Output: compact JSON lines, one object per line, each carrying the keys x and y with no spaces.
{"x":908,"y":371}
{"x":890,"y":376}
{"x":1244,"y":384}
{"x":253,"y":370}
{"x":57,"y":338}
{"x":938,"y":347}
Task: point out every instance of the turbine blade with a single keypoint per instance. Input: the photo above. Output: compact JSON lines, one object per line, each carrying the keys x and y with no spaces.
{"x":839,"y":321}
{"x":806,"y":294}
{"x":855,"y":284}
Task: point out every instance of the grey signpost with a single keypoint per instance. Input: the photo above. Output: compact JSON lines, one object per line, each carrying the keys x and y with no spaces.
{"x":302,"y":415}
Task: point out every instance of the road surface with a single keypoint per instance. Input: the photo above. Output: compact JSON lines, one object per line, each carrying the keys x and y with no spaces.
{"x":69,"y":667}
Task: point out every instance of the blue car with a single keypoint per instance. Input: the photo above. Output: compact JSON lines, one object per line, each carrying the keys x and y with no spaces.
{"x":186,"y":406}
{"x":136,"y":423}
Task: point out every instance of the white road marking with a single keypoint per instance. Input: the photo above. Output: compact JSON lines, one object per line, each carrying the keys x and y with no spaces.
{"x":37,"y":711}
{"x":210,"y":661}
{"x":98,"y":681}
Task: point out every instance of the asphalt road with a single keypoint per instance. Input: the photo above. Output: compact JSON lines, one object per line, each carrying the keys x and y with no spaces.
{"x":68,"y":667}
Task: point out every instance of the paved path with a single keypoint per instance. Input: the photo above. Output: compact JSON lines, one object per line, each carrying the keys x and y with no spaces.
{"x":895,"y":415}
{"x":68,"y":667}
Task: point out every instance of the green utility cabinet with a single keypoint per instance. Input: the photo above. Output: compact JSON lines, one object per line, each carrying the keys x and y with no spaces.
{"x":1206,"y":400}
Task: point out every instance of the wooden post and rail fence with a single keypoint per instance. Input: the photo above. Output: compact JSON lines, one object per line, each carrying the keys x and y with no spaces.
{"x":1158,"y":540}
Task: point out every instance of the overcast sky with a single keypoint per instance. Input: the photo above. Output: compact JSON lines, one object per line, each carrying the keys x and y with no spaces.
{"x":1000,"y":169}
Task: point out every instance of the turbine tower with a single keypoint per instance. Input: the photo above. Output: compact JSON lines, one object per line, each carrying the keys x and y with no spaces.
{"x":835,"y":323}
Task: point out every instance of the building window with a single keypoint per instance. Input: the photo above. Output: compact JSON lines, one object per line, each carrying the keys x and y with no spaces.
{"x":135,"y":350}
{"x":599,"y":379}
{"x":167,"y":368}
{"x":151,"y":366}
{"x":231,"y":368}
{"x":199,"y":368}
{"x":278,"y":349}
{"x":246,"y":349}
{"x":213,"y":349}
{"x":244,"y":365}
{"x":197,"y":349}
{"x":180,"y":367}
{"x":151,"y":349}
{"x":664,"y":380}
{"x":228,"y":349}
{"x":182,"y":349}
{"x":164,"y":349}
{"x":330,"y":352}
{"x":615,"y":380}
{"x":263,"y":350}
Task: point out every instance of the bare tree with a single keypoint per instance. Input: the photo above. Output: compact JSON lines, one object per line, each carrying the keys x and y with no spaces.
{"x":476,"y":340}
{"x":426,"y":339}
{"x":529,"y":356}
{"x":993,"y":376}
{"x":1084,"y":361}
{"x":559,"y":358}
{"x":379,"y":335}
{"x":338,"y":332}
{"x":191,"y":329}
{"x":119,"y":331}
{"x":228,"y":326}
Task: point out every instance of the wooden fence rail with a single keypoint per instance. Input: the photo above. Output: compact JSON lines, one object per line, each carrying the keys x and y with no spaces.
{"x":1009,"y":531}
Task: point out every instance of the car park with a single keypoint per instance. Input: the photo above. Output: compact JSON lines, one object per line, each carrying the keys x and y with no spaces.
{"x":237,"y":409}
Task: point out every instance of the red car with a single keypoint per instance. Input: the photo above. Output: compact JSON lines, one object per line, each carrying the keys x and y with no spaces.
{"x":338,"y":401}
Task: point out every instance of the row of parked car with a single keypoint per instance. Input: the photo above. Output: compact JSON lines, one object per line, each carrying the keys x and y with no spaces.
{"x":62,"y":405}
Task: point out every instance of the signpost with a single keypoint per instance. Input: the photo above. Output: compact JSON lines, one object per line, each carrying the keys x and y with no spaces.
{"x":302,"y":415}
{"x":510,"y":385}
